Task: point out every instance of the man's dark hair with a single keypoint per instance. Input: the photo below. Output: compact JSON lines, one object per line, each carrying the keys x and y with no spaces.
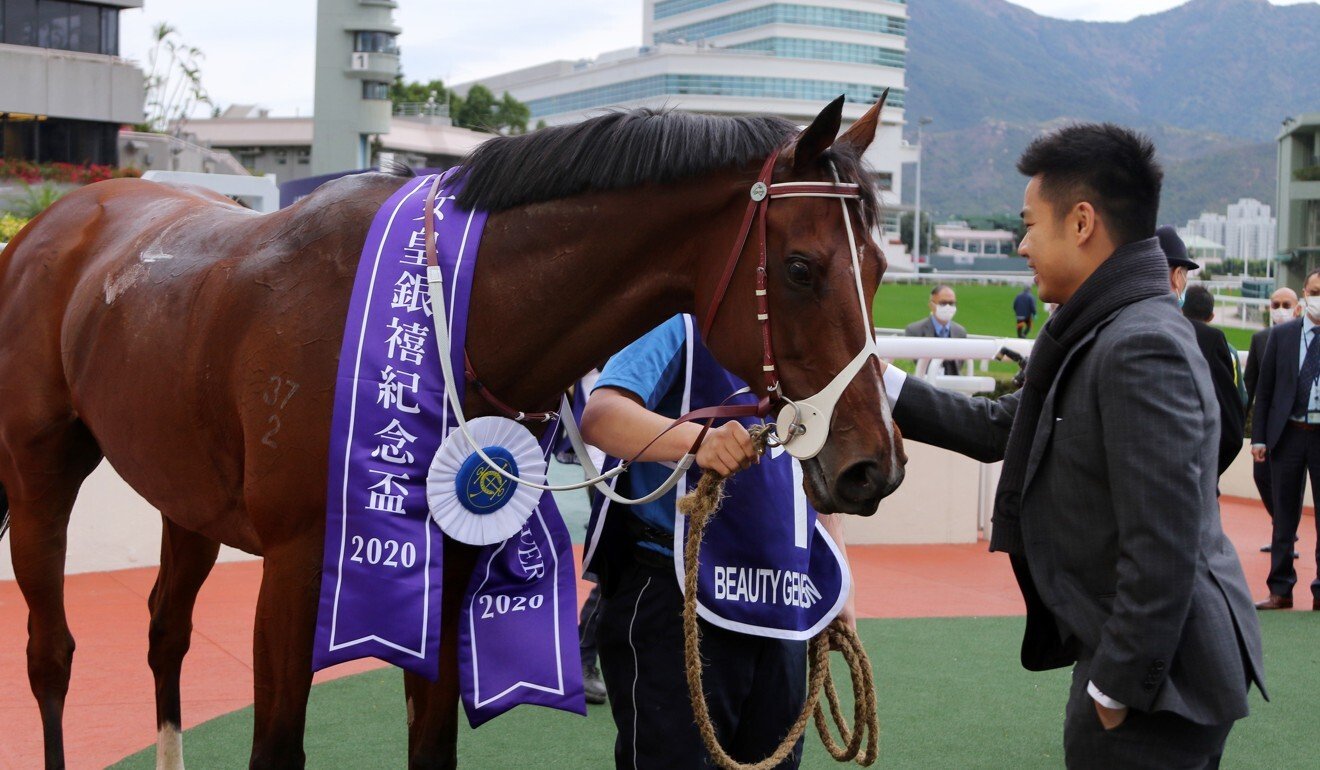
{"x":939,"y":287}
{"x":1110,"y":167}
{"x":1199,"y":304}
{"x":1308,"y":278}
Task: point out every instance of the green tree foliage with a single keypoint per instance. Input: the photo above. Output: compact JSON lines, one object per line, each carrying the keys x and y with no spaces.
{"x":928,"y":242}
{"x":402,"y":92}
{"x":174,"y":80}
{"x":481,"y":111}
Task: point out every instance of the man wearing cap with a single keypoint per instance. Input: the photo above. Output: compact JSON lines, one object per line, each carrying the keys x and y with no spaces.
{"x":1285,"y":429}
{"x":1198,"y":306}
{"x":1284,"y":307}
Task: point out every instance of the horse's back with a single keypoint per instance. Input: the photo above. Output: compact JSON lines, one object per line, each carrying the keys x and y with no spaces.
{"x":196,"y":340}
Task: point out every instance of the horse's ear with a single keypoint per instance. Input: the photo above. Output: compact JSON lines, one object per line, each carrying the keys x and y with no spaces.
{"x":860,"y":134}
{"x":818,"y":136}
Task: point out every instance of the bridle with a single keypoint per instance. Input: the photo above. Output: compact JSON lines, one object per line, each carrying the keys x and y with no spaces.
{"x":807,"y":421}
{"x":801,"y":427}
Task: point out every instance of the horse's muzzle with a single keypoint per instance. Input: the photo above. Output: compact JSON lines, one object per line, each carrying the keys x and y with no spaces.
{"x":862,"y":485}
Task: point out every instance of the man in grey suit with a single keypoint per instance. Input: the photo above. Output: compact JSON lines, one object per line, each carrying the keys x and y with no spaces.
{"x":1107,"y":505}
{"x":940,"y":323}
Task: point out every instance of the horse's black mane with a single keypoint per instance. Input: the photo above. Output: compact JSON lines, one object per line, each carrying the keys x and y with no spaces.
{"x":624,"y":149}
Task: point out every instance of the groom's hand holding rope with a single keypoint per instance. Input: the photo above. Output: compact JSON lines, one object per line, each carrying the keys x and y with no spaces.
{"x":727,"y":450}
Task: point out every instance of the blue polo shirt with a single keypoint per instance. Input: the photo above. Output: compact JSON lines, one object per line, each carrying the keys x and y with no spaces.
{"x":651,"y":368}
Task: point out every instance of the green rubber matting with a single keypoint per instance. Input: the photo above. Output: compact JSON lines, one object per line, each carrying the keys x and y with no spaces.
{"x":952,"y":695}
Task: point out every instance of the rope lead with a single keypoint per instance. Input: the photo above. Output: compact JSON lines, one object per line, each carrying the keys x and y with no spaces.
{"x":700,"y":505}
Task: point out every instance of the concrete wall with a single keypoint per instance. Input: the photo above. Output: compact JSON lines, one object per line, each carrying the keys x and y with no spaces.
{"x":944,"y":499}
{"x":111,"y":528}
{"x":939,"y":502}
{"x":67,"y":84}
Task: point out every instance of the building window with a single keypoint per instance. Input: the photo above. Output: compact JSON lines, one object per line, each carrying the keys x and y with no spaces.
{"x":713,"y":85}
{"x":883,"y":181}
{"x":667,"y":8}
{"x":825,"y":50}
{"x":374,"y":89}
{"x":803,"y":15}
{"x":110,"y":31}
{"x":67,"y":26}
{"x":375,"y":42}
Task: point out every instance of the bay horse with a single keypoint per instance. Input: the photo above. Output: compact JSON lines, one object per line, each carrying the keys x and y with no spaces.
{"x":194,"y":345}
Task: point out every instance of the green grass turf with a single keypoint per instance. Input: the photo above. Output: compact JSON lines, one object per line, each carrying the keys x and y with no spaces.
{"x":951,"y":696}
{"x":981,"y":309}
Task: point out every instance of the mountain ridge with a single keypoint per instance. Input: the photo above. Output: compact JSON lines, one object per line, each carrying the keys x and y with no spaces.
{"x":1209,"y":80}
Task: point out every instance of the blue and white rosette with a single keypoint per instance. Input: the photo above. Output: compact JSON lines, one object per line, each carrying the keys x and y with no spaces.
{"x":468,"y":499}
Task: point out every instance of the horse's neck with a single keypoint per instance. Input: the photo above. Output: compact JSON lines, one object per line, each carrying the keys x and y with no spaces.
{"x":561,"y":286}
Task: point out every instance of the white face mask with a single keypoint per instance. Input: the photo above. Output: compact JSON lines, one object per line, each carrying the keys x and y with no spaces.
{"x":944,"y":313}
{"x":1280,"y":315}
{"x":1312,"y":305}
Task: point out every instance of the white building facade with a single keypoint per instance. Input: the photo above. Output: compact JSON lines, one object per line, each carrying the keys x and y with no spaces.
{"x":1249,"y":231}
{"x":1246,"y":232}
{"x":740,"y":57}
{"x":1212,"y":227}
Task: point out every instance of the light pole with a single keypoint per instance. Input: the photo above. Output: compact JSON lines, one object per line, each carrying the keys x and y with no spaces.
{"x":916,"y":220}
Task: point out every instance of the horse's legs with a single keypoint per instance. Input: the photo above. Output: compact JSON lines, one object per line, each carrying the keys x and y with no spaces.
{"x":39,"y":519}
{"x":433,"y":706}
{"x":285,"y":627}
{"x":186,"y":559}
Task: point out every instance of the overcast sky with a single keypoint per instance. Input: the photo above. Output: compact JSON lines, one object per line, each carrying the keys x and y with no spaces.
{"x":261,"y":51}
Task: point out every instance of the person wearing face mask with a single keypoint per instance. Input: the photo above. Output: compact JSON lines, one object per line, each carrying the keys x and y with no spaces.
{"x":943,"y":306}
{"x":1285,"y":430}
{"x":1179,"y":265}
{"x":1284,"y":307}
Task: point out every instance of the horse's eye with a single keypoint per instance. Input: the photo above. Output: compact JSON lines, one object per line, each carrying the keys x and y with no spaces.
{"x":799,"y":271}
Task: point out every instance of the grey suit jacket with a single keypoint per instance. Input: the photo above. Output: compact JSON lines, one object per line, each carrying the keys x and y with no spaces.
{"x":926,"y":328}
{"x":1129,"y":566}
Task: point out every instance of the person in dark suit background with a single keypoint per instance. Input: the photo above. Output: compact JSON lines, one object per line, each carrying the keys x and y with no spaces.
{"x":1119,"y":552}
{"x":1284,"y":307}
{"x":940,"y":323}
{"x":1199,"y":308}
{"x":1024,"y":310}
{"x":1285,"y":429}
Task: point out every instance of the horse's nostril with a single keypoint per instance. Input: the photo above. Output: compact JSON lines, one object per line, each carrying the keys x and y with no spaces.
{"x":861,"y":482}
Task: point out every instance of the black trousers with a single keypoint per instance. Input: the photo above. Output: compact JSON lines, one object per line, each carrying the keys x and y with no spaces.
{"x":755,"y":687}
{"x":1296,"y":456}
{"x":1159,"y":741}
{"x":1260,"y":473}
{"x":588,"y":624}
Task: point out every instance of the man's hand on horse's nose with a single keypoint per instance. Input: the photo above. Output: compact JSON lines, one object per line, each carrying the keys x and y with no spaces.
{"x":727,"y":449}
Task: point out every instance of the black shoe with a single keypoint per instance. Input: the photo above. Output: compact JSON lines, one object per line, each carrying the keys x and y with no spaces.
{"x":593,"y":685}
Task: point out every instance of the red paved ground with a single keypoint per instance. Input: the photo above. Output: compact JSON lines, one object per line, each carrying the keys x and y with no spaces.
{"x":110,"y":711}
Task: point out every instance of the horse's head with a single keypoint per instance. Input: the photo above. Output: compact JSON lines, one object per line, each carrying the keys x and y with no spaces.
{"x":817,"y":311}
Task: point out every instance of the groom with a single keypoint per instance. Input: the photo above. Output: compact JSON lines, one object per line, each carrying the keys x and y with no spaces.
{"x":1107,"y":506}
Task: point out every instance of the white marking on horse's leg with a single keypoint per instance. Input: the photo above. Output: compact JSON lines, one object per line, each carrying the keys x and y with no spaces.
{"x":169,"y":748}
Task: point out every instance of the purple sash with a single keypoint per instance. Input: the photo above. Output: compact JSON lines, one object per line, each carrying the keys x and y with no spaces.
{"x":768,"y":567}
{"x":382,"y":568}
{"x":519,"y":641}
